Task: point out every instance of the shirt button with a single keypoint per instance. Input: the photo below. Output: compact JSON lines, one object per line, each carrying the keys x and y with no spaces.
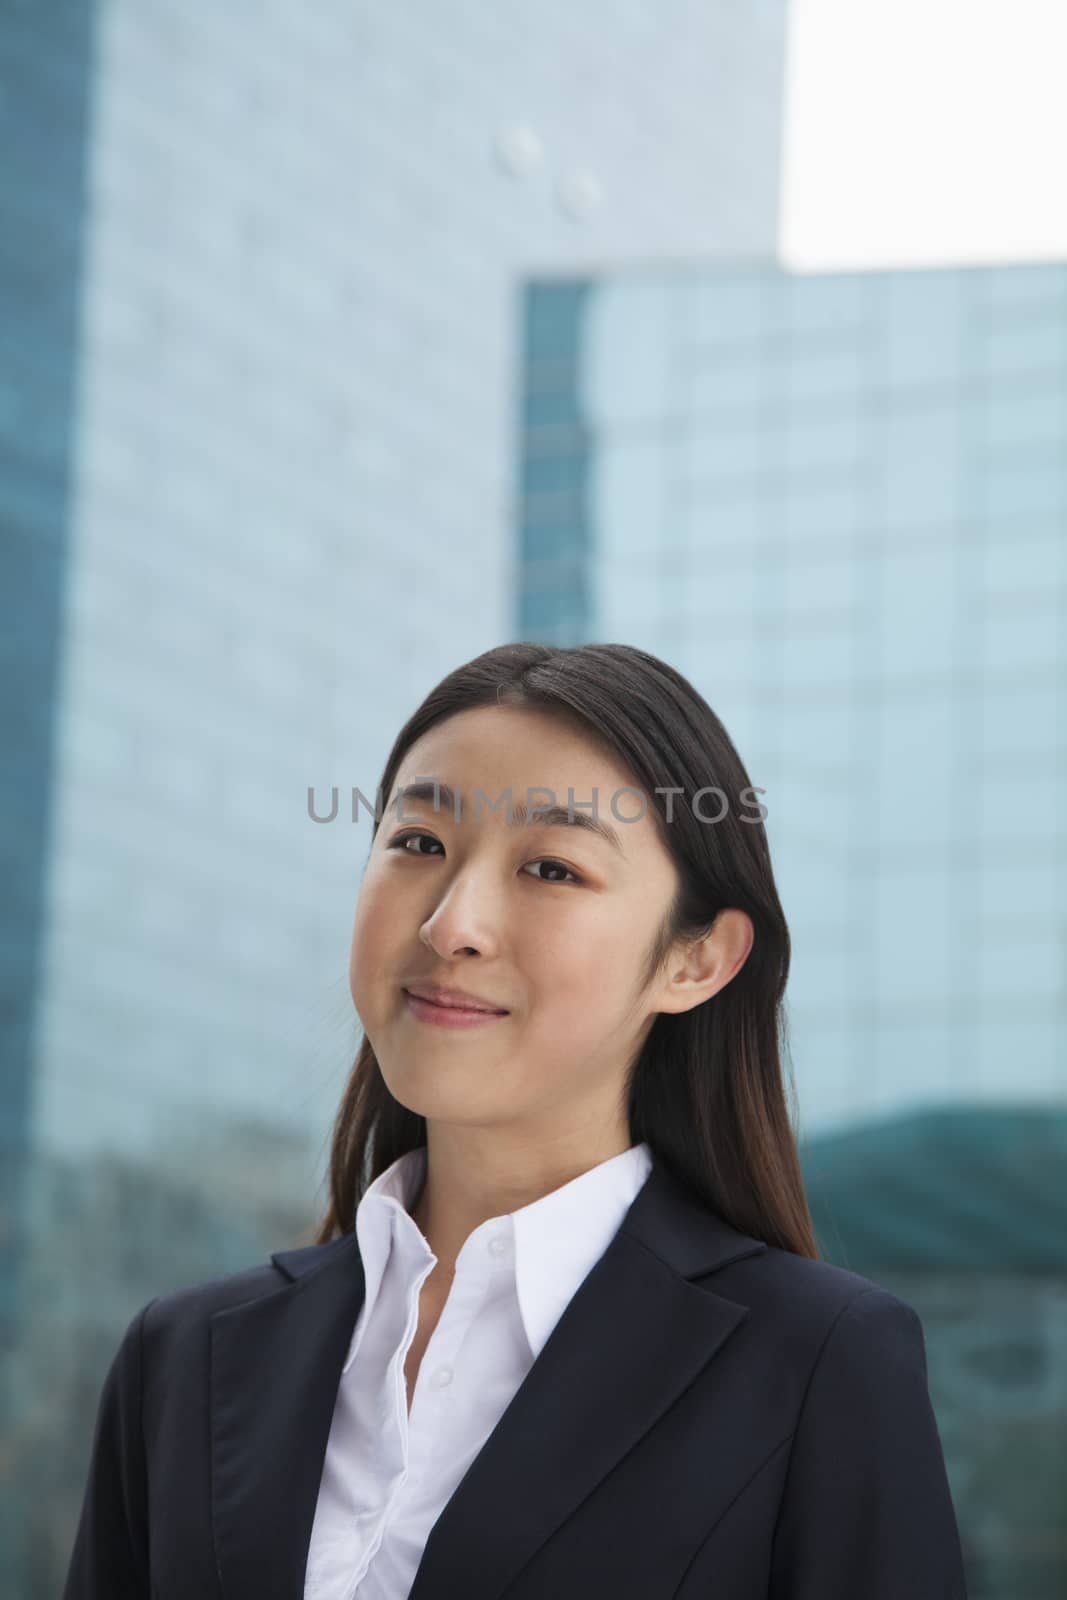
{"x":442,"y":1377}
{"x":498,"y":1245}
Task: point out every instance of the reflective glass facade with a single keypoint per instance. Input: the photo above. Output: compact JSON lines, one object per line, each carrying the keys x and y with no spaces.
{"x":838,"y":502}
{"x":261,"y":277}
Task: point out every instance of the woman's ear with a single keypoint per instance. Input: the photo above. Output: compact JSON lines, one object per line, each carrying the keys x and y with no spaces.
{"x":707,"y":964}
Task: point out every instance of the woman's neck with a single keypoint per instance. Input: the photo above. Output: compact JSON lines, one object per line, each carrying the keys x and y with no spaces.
{"x":473,"y":1174}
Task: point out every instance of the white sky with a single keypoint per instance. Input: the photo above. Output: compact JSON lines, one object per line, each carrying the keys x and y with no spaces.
{"x":924,"y":133}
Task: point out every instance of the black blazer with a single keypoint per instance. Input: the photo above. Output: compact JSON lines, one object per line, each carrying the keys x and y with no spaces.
{"x":710,"y":1419}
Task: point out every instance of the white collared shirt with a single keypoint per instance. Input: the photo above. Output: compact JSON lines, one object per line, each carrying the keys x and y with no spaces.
{"x":387,"y":1475}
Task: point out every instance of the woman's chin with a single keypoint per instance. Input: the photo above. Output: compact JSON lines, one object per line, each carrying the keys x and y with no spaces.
{"x":441,"y":1094}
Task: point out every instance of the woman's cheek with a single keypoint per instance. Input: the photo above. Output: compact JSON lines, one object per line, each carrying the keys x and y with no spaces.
{"x":366,"y":951}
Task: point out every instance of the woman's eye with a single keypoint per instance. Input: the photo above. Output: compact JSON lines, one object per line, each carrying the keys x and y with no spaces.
{"x":406,"y":838}
{"x":554,"y":866}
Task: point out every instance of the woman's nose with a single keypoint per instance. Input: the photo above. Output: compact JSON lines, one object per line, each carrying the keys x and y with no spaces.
{"x":462,"y":921}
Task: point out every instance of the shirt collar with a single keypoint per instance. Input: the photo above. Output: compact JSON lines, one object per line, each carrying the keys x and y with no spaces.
{"x":381,"y":1214}
{"x":558,"y":1238}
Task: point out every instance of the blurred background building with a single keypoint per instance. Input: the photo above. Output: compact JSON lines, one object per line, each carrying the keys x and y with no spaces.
{"x":261,"y":288}
{"x":343,"y":342}
{"x":838,"y":503}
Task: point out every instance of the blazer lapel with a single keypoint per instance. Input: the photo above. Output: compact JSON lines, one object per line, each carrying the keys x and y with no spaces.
{"x":636,"y":1333}
{"x":275,"y":1368}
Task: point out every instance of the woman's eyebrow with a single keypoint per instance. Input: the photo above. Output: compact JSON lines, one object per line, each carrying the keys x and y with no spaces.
{"x":441,"y":795}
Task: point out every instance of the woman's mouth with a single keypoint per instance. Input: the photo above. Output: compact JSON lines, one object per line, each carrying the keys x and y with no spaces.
{"x":449,"y":1016}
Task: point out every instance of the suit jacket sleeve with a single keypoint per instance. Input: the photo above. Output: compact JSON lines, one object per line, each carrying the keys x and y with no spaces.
{"x":866,"y":1508}
{"x":110,"y":1556}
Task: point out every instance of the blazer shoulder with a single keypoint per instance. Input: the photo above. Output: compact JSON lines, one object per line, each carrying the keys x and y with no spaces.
{"x":810,"y":1295}
{"x":191,"y":1306}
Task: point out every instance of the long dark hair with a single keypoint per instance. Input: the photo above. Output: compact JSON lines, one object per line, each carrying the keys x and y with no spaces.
{"x":706,"y":1090}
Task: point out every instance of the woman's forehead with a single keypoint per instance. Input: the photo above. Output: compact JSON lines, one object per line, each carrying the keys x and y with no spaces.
{"x":514,"y":741}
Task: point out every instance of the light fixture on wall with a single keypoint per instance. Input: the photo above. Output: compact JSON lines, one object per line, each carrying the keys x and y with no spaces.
{"x":579,"y":193}
{"x":517,"y":149}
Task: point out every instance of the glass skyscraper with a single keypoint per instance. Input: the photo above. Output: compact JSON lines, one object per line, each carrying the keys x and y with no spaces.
{"x":261,"y":273}
{"x":838,"y":503}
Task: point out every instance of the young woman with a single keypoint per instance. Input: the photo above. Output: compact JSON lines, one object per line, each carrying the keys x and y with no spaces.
{"x":565,"y":1331}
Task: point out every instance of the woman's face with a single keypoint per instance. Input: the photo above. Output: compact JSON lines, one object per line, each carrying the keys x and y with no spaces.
{"x":477,"y":904}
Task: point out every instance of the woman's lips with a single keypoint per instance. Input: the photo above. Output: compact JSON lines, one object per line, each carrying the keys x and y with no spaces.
{"x":449,"y":1016}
